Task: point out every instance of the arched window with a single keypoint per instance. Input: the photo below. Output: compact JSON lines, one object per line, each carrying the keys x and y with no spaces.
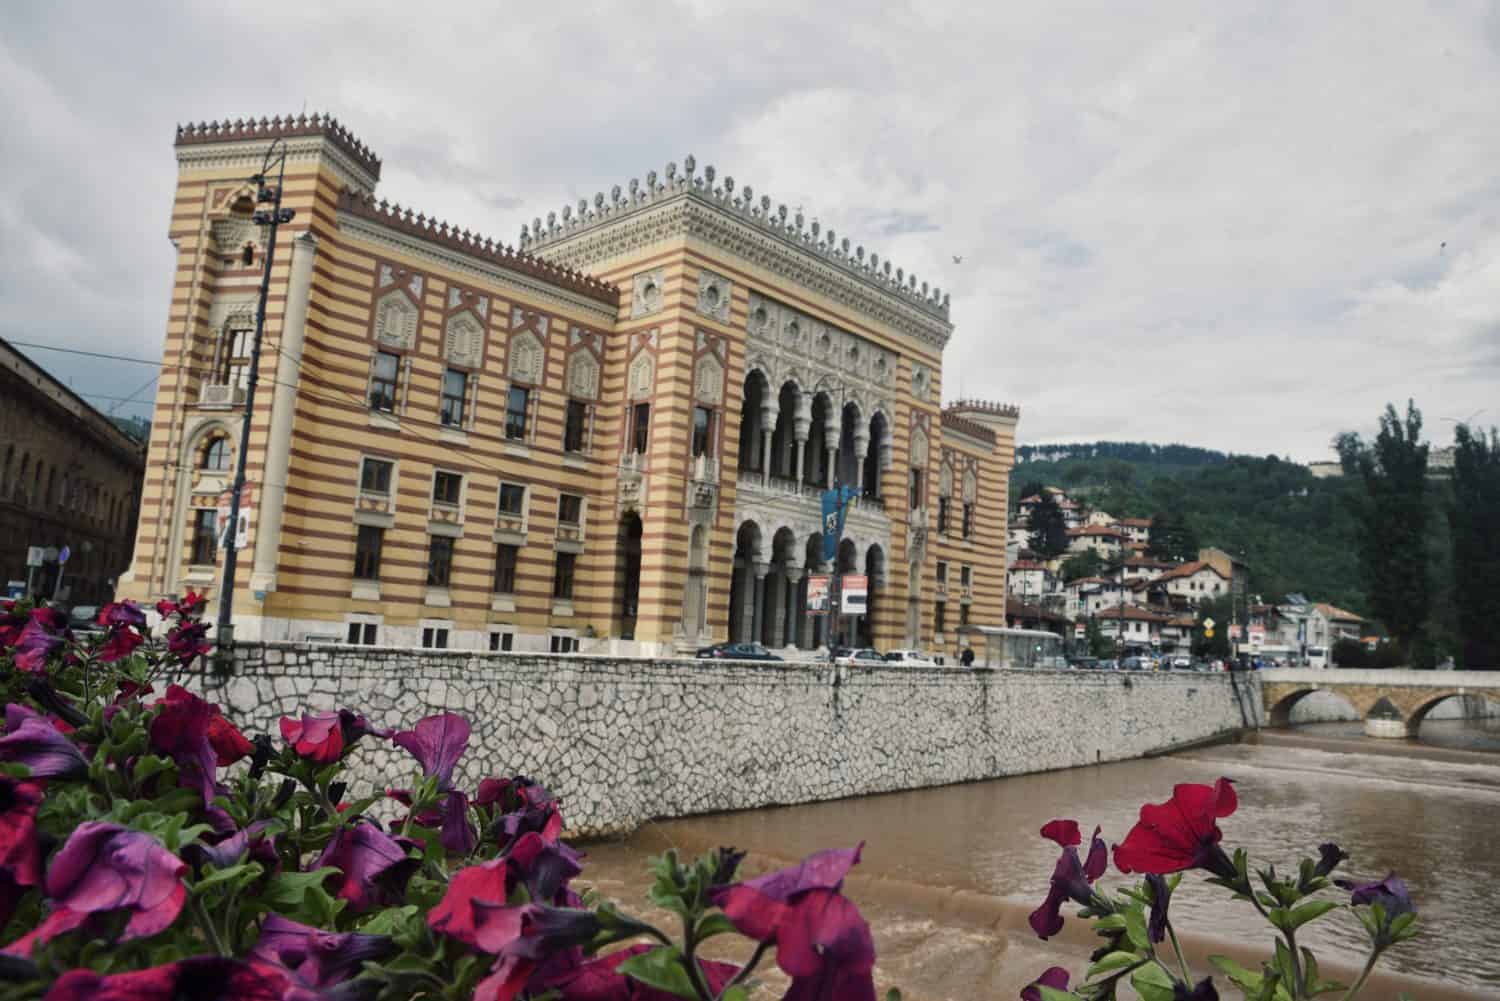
{"x":215,"y":455}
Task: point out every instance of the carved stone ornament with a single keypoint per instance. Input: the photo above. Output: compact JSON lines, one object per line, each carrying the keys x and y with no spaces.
{"x":583,"y":375}
{"x":945,"y":480}
{"x":463,"y":341}
{"x":918,"y":449}
{"x":702,"y":495}
{"x":641,"y":380}
{"x":921,"y":381}
{"x":230,"y":235}
{"x":630,"y":492}
{"x":714,"y":293}
{"x":396,"y":320}
{"x":708,"y":376}
{"x":971,"y":487}
{"x":525,"y":358}
{"x":649,"y":290}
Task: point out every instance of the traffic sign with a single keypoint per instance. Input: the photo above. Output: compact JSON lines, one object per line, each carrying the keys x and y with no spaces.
{"x":1208,"y":623}
{"x":63,"y":554}
{"x":1208,"y":634}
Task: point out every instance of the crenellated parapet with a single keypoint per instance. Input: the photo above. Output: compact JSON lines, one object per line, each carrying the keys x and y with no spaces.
{"x":440,"y":232}
{"x":957,"y":422}
{"x":292,"y":126}
{"x":984,"y":407}
{"x":793,"y":227}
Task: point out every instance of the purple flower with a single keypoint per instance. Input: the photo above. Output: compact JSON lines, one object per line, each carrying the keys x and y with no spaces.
{"x":1204,"y":990}
{"x":544,"y":866}
{"x":251,"y":845}
{"x":1330,"y":856}
{"x":1393,"y":899}
{"x":1071,"y":880}
{"x":1055,"y":977}
{"x":106,"y":867}
{"x":200,"y":978}
{"x":437,"y":743}
{"x":119,"y":644}
{"x":122,"y":613}
{"x":523,"y":806}
{"x":181,"y":732}
{"x":373,"y":866}
{"x":313,"y":959}
{"x":37,"y":641}
{"x":37,"y":744}
{"x":187,"y":641}
{"x":1161,"y":897}
{"x":459,"y":836}
{"x":20,"y":851}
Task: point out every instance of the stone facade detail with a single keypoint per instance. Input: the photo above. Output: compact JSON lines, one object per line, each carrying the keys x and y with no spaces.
{"x":583,"y":376}
{"x":526,"y":356}
{"x":788,"y":344}
{"x":396,"y":320}
{"x":622,"y":742}
{"x":649,"y":292}
{"x":714,"y":294}
{"x":463,"y":340}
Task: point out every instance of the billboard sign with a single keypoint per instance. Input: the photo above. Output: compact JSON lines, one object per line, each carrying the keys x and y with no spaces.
{"x":817,"y":594}
{"x":854,"y":594}
{"x":242,"y":530}
{"x":1257,"y":637}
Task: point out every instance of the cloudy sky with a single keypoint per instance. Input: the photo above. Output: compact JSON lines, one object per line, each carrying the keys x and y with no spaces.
{"x":1243,"y":231}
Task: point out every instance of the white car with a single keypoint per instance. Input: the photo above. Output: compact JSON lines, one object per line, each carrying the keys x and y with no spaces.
{"x":863,"y":657}
{"x":910,"y":658}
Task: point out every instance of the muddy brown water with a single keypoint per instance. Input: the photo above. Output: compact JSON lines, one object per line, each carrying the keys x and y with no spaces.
{"x":949,"y":875}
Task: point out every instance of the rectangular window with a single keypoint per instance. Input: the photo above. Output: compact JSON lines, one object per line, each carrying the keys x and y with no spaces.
{"x":942,"y":574}
{"x":505,"y":568}
{"x":942,"y":525}
{"x":447,"y":488}
{"x":562,"y":576}
{"x":362,"y":633}
{"x":205,"y":535}
{"x":569,"y":509}
{"x":640,"y":427}
{"x":501,"y":642}
{"x":968,"y":520}
{"x":939,"y":616}
{"x":383,"y":375}
{"x":917,"y":496}
{"x":564,"y":644}
{"x":434,"y":638}
{"x":513,"y":500}
{"x":703,"y":431}
{"x":576,"y":429}
{"x":439,"y":561}
{"x":517,"y":402}
{"x":963,"y":615}
{"x":965,"y":577}
{"x":367,"y":549}
{"x":375,"y":476}
{"x":455,"y":394}
{"x":234,"y":359}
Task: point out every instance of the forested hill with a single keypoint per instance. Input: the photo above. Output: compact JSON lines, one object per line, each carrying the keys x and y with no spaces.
{"x":1295,"y":531}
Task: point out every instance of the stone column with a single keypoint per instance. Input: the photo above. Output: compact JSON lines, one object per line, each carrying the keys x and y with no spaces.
{"x":801,"y":428}
{"x":746,"y":611}
{"x":831,"y":447}
{"x":767,"y":432}
{"x":776,"y":595}
{"x":861,"y":450}
{"x":758,"y":589}
{"x":797,"y":610}
{"x":283,"y":408}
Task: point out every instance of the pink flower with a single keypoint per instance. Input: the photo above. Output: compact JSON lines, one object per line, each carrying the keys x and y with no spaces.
{"x":600,"y":979}
{"x":188,"y":641}
{"x":37,"y":641}
{"x":119,"y":644}
{"x":322,"y":737}
{"x":106,"y":867}
{"x":122,"y":613}
{"x":1182,"y":833}
{"x":437,"y":743}
{"x":200,"y":978}
{"x":373,"y":866}
{"x":20,"y":851}
{"x":181,"y":732}
{"x":37,"y":743}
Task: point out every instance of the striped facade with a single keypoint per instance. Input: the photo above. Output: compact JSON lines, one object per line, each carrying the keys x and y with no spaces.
{"x":469,"y":405}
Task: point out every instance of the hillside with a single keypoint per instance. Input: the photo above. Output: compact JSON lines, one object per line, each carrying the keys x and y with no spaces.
{"x":1293,"y":530}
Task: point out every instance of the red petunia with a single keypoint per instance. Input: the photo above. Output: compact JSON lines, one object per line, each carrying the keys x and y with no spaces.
{"x":1181,"y":833}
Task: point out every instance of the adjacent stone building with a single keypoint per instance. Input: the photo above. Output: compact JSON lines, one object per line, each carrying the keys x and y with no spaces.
{"x":614,"y":436}
{"x":68,"y":477}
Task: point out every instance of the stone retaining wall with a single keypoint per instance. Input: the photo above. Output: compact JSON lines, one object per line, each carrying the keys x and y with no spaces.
{"x":625,"y":741}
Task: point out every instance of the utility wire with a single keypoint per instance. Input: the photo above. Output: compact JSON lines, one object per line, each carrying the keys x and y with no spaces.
{"x":89,"y":354}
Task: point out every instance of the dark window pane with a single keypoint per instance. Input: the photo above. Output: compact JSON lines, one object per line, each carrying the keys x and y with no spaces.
{"x":455,"y":393}
{"x":383,"y":376}
{"x":916,"y":489}
{"x":205,"y":523}
{"x":703,"y":431}
{"x":516,"y":402}
{"x":439,"y":561}
{"x":968,"y":519}
{"x":375,"y":476}
{"x":505,"y":568}
{"x":367,"y":552}
{"x":939,"y":616}
{"x":577,"y":426}
{"x":446,"y":488}
{"x":942,"y":525}
{"x":512,"y":499}
{"x":216,"y":455}
{"x":569,"y":509}
{"x":640,"y":427}
{"x":506,"y":640}
{"x":353,"y":633}
{"x":370,"y":628}
{"x":562,"y":576}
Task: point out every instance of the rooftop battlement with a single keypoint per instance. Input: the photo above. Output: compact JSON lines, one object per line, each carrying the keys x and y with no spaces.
{"x":292,"y":126}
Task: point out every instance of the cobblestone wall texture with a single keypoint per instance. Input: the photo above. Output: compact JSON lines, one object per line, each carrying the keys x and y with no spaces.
{"x":625,"y":741}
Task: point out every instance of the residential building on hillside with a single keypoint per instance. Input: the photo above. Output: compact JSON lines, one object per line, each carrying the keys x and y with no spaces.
{"x":1031,"y":579}
{"x":1102,"y":541}
{"x":69,"y":478}
{"x":1138,"y":530}
{"x":617,"y":433}
{"x":1142,"y":627}
{"x":1145,"y":568}
{"x":1186,"y":585}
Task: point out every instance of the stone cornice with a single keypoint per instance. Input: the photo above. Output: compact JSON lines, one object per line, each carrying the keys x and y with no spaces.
{"x":742,"y":230}
{"x":475,"y":267}
{"x":318,"y":126}
{"x":247,"y":156}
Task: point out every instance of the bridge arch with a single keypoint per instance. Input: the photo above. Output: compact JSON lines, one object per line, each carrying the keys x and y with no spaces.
{"x":1430,"y":701}
{"x":1284,"y":701}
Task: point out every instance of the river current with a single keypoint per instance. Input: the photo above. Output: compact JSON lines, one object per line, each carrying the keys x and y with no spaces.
{"x":949,"y":875}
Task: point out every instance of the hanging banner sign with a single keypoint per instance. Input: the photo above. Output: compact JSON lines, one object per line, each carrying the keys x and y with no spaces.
{"x":835,"y":506}
{"x":854,"y":594}
{"x":817,"y":594}
{"x":242,"y":530}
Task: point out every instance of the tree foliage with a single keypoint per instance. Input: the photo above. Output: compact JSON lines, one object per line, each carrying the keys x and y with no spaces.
{"x":1172,"y":537}
{"x":1085,"y":564}
{"x":1474,"y":526}
{"x":1049,"y":529}
{"x":1392,"y":516}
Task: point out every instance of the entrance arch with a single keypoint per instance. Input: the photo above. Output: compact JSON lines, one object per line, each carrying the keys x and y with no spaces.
{"x":744,"y":583}
{"x":631,"y":532}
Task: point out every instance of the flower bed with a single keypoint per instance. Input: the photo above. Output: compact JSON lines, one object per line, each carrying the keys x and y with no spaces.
{"x":150,"y":850}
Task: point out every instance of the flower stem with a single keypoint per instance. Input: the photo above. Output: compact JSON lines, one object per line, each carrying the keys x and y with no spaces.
{"x":1297,"y":985}
{"x":748,"y":968}
{"x":1187,"y":974}
{"x":1363,"y":976}
{"x":209,"y":931}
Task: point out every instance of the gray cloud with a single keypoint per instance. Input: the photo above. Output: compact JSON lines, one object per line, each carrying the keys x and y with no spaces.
{"x":1177,"y":222}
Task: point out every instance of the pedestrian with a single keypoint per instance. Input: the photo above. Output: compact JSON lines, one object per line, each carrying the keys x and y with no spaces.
{"x":967,"y":657}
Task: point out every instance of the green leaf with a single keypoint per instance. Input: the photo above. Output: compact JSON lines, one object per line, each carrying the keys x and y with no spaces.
{"x":1135,"y":928}
{"x":713,"y":923}
{"x":1113,"y":961}
{"x":1404,"y":927}
{"x":1053,"y":994}
{"x":1152,"y":983}
{"x":1110,"y":923}
{"x":150,"y":765}
{"x":226,"y":874}
{"x":1310,"y":911}
{"x":890,"y":995}
{"x":389,"y":921}
{"x":739,"y":993}
{"x":663,"y":969}
{"x":1246,"y":980}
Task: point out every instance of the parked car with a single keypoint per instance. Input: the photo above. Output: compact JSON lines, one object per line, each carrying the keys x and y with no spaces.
{"x":909,"y":658}
{"x":84,"y":619}
{"x":1181,"y":663}
{"x":736,"y":651}
{"x":859,"y":656}
{"x":1086,"y":663}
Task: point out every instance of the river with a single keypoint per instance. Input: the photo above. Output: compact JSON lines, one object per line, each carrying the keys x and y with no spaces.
{"x":949,"y":875}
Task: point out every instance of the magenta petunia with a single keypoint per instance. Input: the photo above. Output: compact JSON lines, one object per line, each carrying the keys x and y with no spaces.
{"x":35,"y":742}
{"x":37,"y":641}
{"x":120,"y":643}
{"x":122,"y":613}
{"x":1055,"y":977}
{"x":1072,"y":879}
{"x":600,"y":979}
{"x":1182,"y":833}
{"x":199,"y":978}
{"x":1064,"y":832}
{"x":437,"y":742}
{"x":313,"y":959}
{"x":188,"y":641}
{"x":323,"y":737}
{"x":20,"y":850}
{"x":180,"y":731}
{"x":373,"y":866}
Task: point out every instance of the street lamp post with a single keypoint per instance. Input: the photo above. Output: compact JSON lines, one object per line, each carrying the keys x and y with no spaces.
{"x":224,"y":633}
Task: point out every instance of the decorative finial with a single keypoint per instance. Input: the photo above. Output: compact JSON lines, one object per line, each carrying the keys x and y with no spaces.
{"x":551,"y":221}
{"x":709,"y":174}
{"x":729,"y":184}
{"x":614,"y":195}
{"x":860,"y":253}
{"x":875,"y":263}
{"x":567,"y":213}
{"x":671,"y":170}
{"x":815,"y":229}
{"x":887,"y":269}
{"x":536,"y":225}
{"x":689,"y":165}
{"x":650,"y":181}
{"x":844,"y":245}
{"x":765,"y":203}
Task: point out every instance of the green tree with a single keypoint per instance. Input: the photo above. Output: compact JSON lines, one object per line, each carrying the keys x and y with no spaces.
{"x":1474,"y":525}
{"x":1219,"y":609}
{"x":1031,"y":488}
{"x":1085,"y":564}
{"x":1172,"y":538}
{"x":1392,"y":516}
{"x":1099,"y":644}
{"x":1049,"y":528}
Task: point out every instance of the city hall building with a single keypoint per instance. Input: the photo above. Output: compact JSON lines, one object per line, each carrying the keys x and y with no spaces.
{"x":613,"y":437}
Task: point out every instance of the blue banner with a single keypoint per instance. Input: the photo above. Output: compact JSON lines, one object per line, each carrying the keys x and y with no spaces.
{"x":835,"y":506}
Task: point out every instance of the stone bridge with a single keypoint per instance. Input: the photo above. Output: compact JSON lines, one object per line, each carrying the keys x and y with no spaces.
{"x":1413,"y":693}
